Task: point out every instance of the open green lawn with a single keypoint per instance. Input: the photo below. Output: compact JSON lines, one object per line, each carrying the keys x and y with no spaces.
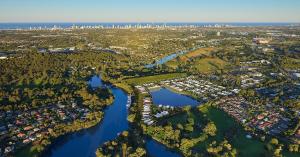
{"x":155,"y":78}
{"x":196,"y":53}
{"x":207,"y":65}
{"x":227,"y":127}
{"x":172,"y":64}
{"x":125,"y":87}
{"x":201,"y":51}
{"x":203,"y":65}
{"x":290,"y":63}
{"x":178,"y":118}
{"x":191,"y":55}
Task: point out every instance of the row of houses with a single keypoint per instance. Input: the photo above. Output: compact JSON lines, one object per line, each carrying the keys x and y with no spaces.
{"x":57,"y":50}
{"x":161,"y":114}
{"x":129,"y":101}
{"x":21,"y":128}
{"x":146,"y":113}
{"x":236,"y":107}
{"x":199,"y":87}
{"x":251,"y":79}
{"x":255,"y":62}
{"x":141,"y":89}
{"x":111,"y":49}
{"x":270,"y":121}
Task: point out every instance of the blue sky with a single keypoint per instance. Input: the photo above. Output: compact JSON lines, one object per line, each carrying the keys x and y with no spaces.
{"x":149,"y":10}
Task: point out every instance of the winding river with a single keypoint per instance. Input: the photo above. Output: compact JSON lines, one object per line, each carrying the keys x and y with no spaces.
{"x":170,"y":57}
{"x":84,"y":143}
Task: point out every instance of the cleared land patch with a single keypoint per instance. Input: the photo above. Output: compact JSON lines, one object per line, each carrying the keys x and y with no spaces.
{"x":207,"y":65}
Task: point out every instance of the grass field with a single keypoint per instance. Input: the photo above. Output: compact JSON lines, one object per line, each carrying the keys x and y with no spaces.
{"x":125,"y":87}
{"x":199,"y":52}
{"x":225,"y":124}
{"x":226,"y":128}
{"x":172,"y":64}
{"x":203,"y":65}
{"x":190,"y":55}
{"x":207,"y":65}
{"x":291,"y":63}
{"x":155,"y":78}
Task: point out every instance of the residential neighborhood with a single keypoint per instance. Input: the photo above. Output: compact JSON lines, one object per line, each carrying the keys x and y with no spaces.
{"x":21,"y":128}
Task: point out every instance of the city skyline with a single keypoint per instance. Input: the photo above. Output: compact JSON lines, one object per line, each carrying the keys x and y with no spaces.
{"x":150,"y":11}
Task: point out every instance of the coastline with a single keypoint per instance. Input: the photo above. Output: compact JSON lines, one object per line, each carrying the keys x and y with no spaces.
{"x":101,"y":25}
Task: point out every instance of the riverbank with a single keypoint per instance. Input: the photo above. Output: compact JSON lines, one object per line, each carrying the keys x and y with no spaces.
{"x":128,"y":142}
{"x":186,"y":93}
{"x":88,"y":140}
{"x":155,"y":78}
{"x":91,"y":119}
{"x":40,"y":147}
{"x":198,"y":125}
{"x":120,"y":84}
{"x":166,"y":97}
{"x":127,"y":88}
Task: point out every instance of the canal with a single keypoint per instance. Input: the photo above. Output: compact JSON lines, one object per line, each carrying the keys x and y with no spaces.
{"x":84,"y":143}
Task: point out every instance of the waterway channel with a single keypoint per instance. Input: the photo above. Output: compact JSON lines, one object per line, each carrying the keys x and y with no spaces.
{"x":84,"y":143}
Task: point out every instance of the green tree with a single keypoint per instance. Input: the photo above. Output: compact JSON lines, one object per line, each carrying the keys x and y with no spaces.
{"x":210,"y":129}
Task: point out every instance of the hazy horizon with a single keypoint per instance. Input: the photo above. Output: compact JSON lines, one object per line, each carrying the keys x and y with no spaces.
{"x":146,"y":22}
{"x":150,"y":11}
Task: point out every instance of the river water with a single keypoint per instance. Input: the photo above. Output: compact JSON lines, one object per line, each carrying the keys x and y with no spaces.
{"x":156,"y":149}
{"x":170,"y":57}
{"x":166,"y":59}
{"x":84,"y":143}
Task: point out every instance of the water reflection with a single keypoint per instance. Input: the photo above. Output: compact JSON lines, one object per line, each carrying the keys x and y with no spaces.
{"x":165,"y":96}
{"x":85,"y":142}
{"x":155,"y":149}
